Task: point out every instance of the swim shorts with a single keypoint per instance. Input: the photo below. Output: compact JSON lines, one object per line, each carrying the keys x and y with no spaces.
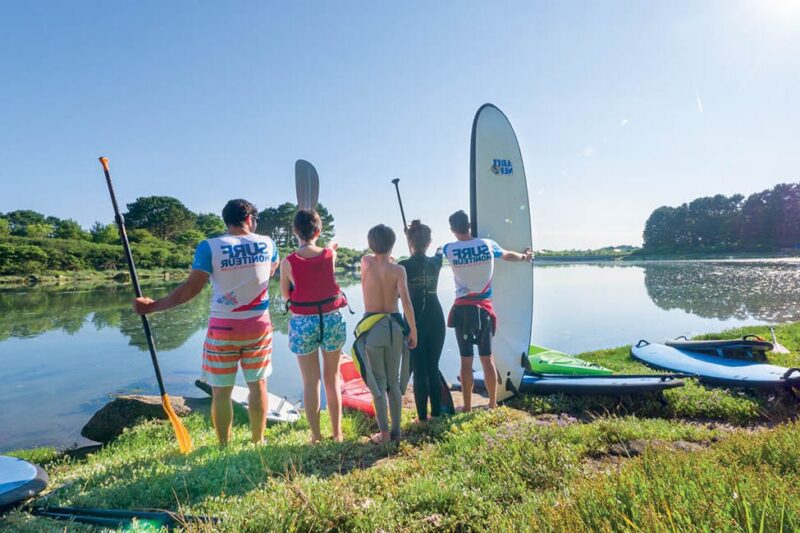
{"x":473,"y":326}
{"x":304,"y":337}
{"x":231,"y":343}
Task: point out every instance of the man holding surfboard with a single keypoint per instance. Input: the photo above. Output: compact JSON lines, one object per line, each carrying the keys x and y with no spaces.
{"x":472,"y":316}
{"x":239,"y":265}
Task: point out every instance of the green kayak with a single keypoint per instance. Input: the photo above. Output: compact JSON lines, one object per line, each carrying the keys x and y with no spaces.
{"x":546,"y":361}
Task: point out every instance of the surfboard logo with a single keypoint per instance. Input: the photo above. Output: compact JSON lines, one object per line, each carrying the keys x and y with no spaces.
{"x":502,"y":167}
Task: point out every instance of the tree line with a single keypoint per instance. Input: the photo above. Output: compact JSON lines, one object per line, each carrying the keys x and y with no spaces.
{"x":164,"y":233}
{"x":764,"y":221}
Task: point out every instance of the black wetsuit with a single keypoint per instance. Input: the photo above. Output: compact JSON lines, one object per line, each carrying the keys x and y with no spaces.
{"x":423,"y":278}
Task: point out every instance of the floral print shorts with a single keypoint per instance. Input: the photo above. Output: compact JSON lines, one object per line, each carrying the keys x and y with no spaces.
{"x":304,"y":335}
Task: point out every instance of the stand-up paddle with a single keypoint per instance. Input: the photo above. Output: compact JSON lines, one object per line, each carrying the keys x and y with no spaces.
{"x":306,"y":185}
{"x":123,"y":519}
{"x":184,"y":441}
{"x":306,"y":182}
{"x":447,"y":399}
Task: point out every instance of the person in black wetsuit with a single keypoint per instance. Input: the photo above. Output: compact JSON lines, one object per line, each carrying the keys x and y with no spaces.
{"x":423,"y":277}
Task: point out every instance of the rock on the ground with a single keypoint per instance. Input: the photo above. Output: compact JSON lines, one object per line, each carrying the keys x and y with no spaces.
{"x":126,"y":411}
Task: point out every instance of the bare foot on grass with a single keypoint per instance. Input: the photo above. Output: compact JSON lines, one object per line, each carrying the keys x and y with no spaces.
{"x":379,"y":438}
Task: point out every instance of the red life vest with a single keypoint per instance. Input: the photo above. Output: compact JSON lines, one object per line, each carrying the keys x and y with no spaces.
{"x":315,"y":288}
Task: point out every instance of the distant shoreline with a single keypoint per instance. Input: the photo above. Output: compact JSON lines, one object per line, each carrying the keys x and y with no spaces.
{"x":90,"y":278}
{"x":639,"y":256}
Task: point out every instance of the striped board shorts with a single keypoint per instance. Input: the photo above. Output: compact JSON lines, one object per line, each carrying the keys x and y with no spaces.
{"x":234,"y":342}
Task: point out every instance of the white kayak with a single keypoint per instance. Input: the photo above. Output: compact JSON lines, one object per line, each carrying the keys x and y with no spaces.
{"x":716,"y":370}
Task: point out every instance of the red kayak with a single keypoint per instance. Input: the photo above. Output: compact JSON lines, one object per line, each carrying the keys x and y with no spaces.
{"x":355,"y":394}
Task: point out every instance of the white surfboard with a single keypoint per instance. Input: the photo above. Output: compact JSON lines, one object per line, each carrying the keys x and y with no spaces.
{"x":280,"y":409}
{"x":500,"y":210}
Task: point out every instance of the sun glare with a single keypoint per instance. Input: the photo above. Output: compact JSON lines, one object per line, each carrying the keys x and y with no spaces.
{"x":781,"y":9}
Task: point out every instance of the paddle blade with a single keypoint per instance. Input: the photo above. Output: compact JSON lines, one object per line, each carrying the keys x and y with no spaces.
{"x":776,"y":346}
{"x":184,"y":440}
{"x":306,"y":181}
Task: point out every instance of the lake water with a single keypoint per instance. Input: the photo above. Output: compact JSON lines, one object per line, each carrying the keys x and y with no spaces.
{"x":65,"y":353}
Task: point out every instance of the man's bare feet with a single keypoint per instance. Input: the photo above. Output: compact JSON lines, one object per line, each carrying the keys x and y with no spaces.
{"x":337,"y":438}
{"x":463,"y":409}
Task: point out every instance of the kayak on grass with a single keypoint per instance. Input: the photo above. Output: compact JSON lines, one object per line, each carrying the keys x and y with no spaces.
{"x":716,"y":370}
{"x":542,"y":360}
{"x":355,"y":393}
{"x":748,"y":347}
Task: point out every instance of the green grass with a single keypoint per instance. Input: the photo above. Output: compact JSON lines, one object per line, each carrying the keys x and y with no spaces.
{"x":538,"y":464}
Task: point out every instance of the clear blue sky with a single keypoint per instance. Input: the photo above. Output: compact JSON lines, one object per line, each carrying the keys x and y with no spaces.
{"x":620,"y":107}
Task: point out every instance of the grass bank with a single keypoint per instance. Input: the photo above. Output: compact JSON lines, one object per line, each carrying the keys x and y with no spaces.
{"x":696,"y":458}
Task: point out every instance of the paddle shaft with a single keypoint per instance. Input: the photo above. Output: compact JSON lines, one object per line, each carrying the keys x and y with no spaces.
{"x":446,"y":396}
{"x":396,"y":182}
{"x":134,"y":277}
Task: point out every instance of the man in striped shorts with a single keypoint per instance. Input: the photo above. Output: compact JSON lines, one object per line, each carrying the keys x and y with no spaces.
{"x":239,"y":265}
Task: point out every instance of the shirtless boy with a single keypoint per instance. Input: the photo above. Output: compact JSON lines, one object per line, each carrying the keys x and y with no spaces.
{"x":383,"y":338}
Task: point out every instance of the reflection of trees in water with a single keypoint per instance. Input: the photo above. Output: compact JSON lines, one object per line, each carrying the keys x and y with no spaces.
{"x":27,"y":314}
{"x":30,"y":313}
{"x":552,"y":264}
{"x":765,"y":291}
{"x":172,"y":328}
{"x":33,"y":312}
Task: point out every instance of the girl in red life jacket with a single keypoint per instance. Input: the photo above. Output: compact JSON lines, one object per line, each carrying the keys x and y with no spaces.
{"x":309,"y":286}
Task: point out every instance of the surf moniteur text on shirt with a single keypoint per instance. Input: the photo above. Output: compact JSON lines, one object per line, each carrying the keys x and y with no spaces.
{"x":240,"y":267}
{"x":472,"y":262}
{"x":244,"y":254}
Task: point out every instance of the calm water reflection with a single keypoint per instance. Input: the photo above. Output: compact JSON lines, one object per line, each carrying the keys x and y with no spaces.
{"x":65,"y":352}
{"x":768,"y":291}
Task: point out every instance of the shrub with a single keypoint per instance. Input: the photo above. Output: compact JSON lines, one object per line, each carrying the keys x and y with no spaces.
{"x":190,"y":237}
{"x":104,"y":233}
{"x":38,"y":231}
{"x":22,"y":259}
